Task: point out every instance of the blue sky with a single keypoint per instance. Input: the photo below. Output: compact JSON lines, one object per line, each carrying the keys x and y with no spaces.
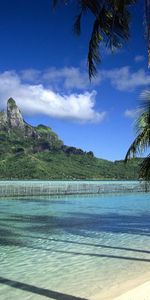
{"x":43,"y":67}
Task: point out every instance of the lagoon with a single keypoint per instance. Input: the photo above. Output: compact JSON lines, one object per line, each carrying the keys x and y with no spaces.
{"x":73,"y":246}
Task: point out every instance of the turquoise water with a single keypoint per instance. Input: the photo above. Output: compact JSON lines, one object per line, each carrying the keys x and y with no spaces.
{"x":72,"y":247}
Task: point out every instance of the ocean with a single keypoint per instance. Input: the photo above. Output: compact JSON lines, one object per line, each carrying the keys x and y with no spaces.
{"x":73,"y":246}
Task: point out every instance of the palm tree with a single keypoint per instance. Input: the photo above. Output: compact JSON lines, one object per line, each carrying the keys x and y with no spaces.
{"x":110,"y":25}
{"x":142,"y":141}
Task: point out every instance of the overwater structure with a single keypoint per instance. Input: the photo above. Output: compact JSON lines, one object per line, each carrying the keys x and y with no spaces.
{"x":23,"y":188}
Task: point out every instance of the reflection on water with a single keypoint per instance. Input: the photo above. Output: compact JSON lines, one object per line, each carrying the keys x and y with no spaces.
{"x":72,"y":247}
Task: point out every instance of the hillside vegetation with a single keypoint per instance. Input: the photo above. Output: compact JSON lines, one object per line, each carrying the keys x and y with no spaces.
{"x":28,"y":152}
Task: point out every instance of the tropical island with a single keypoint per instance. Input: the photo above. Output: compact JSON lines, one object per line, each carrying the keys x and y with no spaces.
{"x":74,"y":194}
{"x":28,"y":152}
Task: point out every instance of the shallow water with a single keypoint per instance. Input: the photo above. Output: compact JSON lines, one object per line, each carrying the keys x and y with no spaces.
{"x":74,"y":246}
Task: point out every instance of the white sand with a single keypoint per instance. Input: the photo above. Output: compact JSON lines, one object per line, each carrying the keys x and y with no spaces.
{"x":141,"y":292}
{"x":137,"y":289}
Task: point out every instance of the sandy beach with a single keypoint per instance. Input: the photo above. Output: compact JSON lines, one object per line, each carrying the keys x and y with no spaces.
{"x":141,"y":292}
{"x":136,"y":289}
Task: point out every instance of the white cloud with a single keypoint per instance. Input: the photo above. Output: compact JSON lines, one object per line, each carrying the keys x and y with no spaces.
{"x":131,"y":113}
{"x":68,"y":78}
{"x":71,"y":77}
{"x":36,"y":99}
{"x":124,"y":79}
{"x":30,"y":75}
{"x":139,"y":58}
{"x":40,"y":92}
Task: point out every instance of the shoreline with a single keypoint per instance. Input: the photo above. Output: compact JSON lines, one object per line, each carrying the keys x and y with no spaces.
{"x":136,"y":289}
{"x":141,"y":292}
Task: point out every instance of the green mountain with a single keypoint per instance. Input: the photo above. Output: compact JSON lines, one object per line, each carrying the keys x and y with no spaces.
{"x":28,"y":152}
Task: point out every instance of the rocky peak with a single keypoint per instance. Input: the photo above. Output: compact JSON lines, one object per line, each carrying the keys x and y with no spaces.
{"x":40,"y":138}
{"x":14,"y":116}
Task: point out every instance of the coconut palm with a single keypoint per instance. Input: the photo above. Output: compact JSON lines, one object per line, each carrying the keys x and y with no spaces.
{"x":110,"y":25}
{"x":142,"y":141}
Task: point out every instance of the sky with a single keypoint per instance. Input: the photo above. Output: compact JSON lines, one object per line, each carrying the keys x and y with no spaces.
{"x":43,"y":66}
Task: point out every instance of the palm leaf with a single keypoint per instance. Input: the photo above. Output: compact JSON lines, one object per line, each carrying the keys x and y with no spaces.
{"x":110,"y":28}
{"x":90,"y":5}
{"x":142,"y":141}
{"x":145,"y":169}
{"x":93,"y":54}
{"x":110,"y":25}
{"x":139,"y":145}
{"x":55,"y":3}
{"x":77,"y":24}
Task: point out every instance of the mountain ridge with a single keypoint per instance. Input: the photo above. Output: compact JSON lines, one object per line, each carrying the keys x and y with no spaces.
{"x":28,"y":152}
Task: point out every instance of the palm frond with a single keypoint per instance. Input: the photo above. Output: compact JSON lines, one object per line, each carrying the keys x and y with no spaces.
{"x":93,"y":54}
{"x":56,"y":2}
{"x":111,"y":24}
{"x":139,"y":145}
{"x":77,"y":24}
{"x":142,"y":141}
{"x":143,"y":120}
{"x":90,"y":5}
{"x":145,"y":169}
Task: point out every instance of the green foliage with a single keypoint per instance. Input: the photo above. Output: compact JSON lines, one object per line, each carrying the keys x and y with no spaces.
{"x":60,"y":165}
{"x":142,"y":140}
{"x":28,"y":152}
{"x":43,"y":129}
{"x":46,"y":157}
